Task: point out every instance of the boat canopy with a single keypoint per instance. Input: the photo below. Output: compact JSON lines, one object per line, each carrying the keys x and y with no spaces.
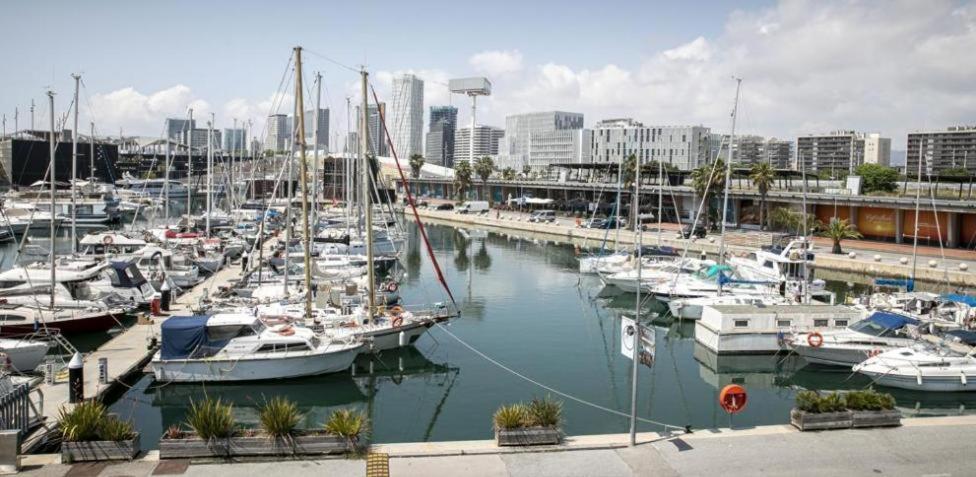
{"x":715,"y":269}
{"x":964,"y":299}
{"x":908,"y":283}
{"x":184,"y":335}
{"x":891,"y":321}
{"x":965,"y":336}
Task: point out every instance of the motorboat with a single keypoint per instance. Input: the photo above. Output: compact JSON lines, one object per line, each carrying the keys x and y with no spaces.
{"x":691,"y":308}
{"x":922,"y":368}
{"x":775,"y":263}
{"x":881,"y":331}
{"x":86,"y":279}
{"x":240,"y":347}
{"x":761,"y":329}
{"x":23,"y":355}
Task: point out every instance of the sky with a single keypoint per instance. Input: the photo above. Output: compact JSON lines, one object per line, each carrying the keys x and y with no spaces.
{"x":807,"y":66}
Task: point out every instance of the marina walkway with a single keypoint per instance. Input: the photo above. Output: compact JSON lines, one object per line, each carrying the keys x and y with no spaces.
{"x":924,"y":446}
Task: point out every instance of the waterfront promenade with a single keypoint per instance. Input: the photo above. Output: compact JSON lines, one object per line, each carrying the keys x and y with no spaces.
{"x":924,"y":446}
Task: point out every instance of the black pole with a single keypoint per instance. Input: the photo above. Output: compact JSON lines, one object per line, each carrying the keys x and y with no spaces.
{"x":76,"y":379}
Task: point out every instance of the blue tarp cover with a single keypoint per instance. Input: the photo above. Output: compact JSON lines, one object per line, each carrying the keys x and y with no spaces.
{"x":909,"y":284}
{"x":967,"y":337}
{"x":964,"y":299}
{"x":891,"y":321}
{"x":182,"y":335}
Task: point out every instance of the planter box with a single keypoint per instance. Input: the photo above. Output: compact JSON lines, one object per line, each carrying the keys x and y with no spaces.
{"x":195,"y":447}
{"x":811,"y":421}
{"x":877,"y":418}
{"x":100,"y":450}
{"x":527,"y":436}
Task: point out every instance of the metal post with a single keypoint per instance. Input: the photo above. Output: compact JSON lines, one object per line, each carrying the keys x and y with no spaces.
{"x":367,"y":208}
{"x":189,"y":166}
{"x":91,"y":155}
{"x":166,"y":181}
{"x":637,"y":309}
{"x":300,"y":119}
{"x":209,"y":170}
{"x":315,"y":152}
{"x":53,"y":178}
{"x":76,"y":379}
{"x":474,"y":113}
{"x":74,"y":171}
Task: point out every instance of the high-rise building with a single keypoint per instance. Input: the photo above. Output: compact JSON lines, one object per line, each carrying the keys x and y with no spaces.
{"x":684,"y":147}
{"x":176,"y":128}
{"x":440,"y":140}
{"x":877,"y":149}
{"x":198,"y":138}
{"x":279,"y":133}
{"x":406,"y":121}
{"x":234,"y":139}
{"x":950,"y":148}
{"x":486,"y":142}
{"x":751,"y":149}
{"x":838,"y":151}
{"x":558,"y":128}
{"x":323,"y":128}
{"x":374,"y":127}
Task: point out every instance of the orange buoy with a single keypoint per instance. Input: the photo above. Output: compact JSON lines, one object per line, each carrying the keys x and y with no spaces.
{"x":815,"y":339}
{"x":733,"y":398}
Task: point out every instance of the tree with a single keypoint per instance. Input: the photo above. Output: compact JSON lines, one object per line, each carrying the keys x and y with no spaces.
{"x":955,"y":172}
{"x":483,"y":167}
{"x":526,"y":169}
{"x":762,"y":176}
{"x":838,"y":230}
{"x":462,"y":178}
{"x":416,"y":163}
{"x":877,"y":178}
{"x":707,"y":181}
{"x":629,"y":171}
{"x":508,"y":174}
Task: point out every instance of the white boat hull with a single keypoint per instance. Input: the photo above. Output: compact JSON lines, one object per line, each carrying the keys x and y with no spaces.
{"x":254,"y":369}
{"x":24,"y":356}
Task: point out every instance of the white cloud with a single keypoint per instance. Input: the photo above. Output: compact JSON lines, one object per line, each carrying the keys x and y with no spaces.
{"x":497,"y":62}
{"x":141,"y":113}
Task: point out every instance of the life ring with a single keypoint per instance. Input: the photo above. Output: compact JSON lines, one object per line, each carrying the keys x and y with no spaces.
{"x":874,"y":353}
{"x":286,"y":330}
{"x":398,"y":321}
{"x":107,"y":240}
{"x":348,"y":324}
{"x":396,"y":310}
{"x":392,"y":287}
{"x":815,"y":339}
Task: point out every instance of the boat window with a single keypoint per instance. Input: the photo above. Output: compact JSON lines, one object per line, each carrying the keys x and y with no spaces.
{"x":226,"y":332}
{"x":741,"y":323}
{"x":296,"y":347}
{"x":768,"y":264}
{"x":784,"y":323}
{"x":9,"y":318}
{"x":821,"y":323}
{"x":268,"y":348}
{"x":840,"y":323}
{"x":869,"y":327}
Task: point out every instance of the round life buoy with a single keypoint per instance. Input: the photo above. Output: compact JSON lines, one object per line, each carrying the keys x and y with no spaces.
{"x":392,"y":287}
{"x":815,"y":339}
{"x":398,"y":321}
{"x":108,"y":240}
{"x":733,"y":398}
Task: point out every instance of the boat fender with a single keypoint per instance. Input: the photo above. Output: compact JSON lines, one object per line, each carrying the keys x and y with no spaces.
{"x":815,"y":339}
{"x":392,"y":287}
{"x":398,"y":321}
{"x":7,"y":365}
{"x":962,"y":375}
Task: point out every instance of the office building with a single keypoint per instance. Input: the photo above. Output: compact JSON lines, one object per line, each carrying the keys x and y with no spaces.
{"x":323,"y":136}
{"x":374,"y":128}
{"x":176,"y":128}
{"x":279,"y":133}
{"x":684,"y":147}
{"x":560,"y":131}
{"x":877,"y":149}
{"x":751,"y":149}
{"x":440,"y":140}
{"x":198,"y":138}
{"x":234,"y":139}
{"x":950,"y":148}
{"x":486,"y":142}
{"x":406,"y":121}
{"x":838,"y":152}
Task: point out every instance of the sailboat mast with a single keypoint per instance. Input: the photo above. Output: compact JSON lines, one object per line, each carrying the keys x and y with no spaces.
{"x":189,"y":166}
{"x":166,"y":181}
{"x":348,"y":163}
{"x":74,"y":171}
{"x":209,"y":170}
{"x":660,"y":198}
{"x":53,"y":177}
{"x":315,"y":152}
{"x":918,"y":198}
{"x":367,"y":208}
{"x":728,"y":171}
{"x":91,"y":156}
{"x":635,"y":358}
{"x":300,"y":119}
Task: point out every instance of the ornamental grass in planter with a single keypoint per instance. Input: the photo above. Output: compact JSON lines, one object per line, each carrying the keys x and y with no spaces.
{"x":537,"y":422}
{"x":90,"y":433}
{"x":872,"y":409}
{"x":867,"y":408}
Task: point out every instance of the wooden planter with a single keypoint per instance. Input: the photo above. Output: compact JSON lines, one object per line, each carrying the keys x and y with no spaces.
{"x":311,"y":444}
{"x":527,"y":436}
{"x":877,"y":418}
{"x":814,"y":421}
{"x":100,"y":450}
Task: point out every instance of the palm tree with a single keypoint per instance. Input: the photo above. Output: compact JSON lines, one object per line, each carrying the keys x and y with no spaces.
{"x":526,"y":169}
{"x":416,"y":163}
{"x":705,"y":182}
{"x":840,"y":229}
{"x":762,"y":176}
{"x":462,"y":177}
{"x":483,"y":167}
{"x":508,"y":174}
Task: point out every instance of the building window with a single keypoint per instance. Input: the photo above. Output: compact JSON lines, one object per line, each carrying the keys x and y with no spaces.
{"x":784,"y":323}
{"x":840,"y":323}
{"x":741,"y":323}
{"x":821,"y":323}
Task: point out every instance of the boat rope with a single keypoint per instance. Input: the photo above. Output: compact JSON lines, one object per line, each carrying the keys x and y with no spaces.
{"x":413,"y":206}
{"x":683,"y":429}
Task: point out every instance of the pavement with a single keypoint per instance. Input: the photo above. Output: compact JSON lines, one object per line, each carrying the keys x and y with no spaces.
{"x":924,"y":446}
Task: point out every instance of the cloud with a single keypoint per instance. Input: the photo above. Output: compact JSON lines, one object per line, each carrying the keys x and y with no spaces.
{"x":497,"y":62}
{"x":141,"y":113}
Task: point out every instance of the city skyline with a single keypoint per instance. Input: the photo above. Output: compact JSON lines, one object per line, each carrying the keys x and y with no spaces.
{"x":808,"y":67}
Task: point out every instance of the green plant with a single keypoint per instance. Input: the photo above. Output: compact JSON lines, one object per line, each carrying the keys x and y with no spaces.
{"x":869,"y":400}
{"x":462,"y":177}
{"x":511,"y":416}
{"x":545,"y":412}
{"x":762,"y":176}
{"x":416,"y":163}
{"x":115,"y":429}
{"x":83,"y":422}
{"x":810,"y":401}
{"x":508,"y":174}
{"x":347,"y":423}
{"x":174,"y":432}
{"x":838,"y":230}
{"x":279,"y":417}
{"x":877,"y":178}
{"x":483,"y":167}
{"x":211,"y":418}
{"x":807,"y":401}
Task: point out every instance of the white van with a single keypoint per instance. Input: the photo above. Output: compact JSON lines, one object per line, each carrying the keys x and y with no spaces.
{"x":473,"y":207}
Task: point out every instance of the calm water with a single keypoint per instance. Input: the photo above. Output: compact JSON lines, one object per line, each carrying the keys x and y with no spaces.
{"x":523,"y":304}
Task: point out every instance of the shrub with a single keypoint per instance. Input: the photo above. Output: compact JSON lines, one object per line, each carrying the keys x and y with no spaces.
{"x":545,"y":412}
{"x":511,"y":416}
{"x":174,"y":432}
{"x":810,"y":401}
{"x":807,"y":401}
{"x":869,"y":400}
{"x":279,"y":417}
{"x":347,"y":423}
{"x":211,"y":418}
{"x":115,"y":429}
{"x":90,"y":421}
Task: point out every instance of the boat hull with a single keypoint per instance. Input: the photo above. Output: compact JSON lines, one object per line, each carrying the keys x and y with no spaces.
{"x":24,"y":356}
{"x":254,"y":369}
{"x":68,"y":326}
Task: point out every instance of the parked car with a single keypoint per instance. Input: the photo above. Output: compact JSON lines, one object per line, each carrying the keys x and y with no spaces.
{"x":541,"y":216}
{"x":700,"y":231}
{"x":474,"y":207}
{"x":607,"y":223}
{"x":445,"y":206}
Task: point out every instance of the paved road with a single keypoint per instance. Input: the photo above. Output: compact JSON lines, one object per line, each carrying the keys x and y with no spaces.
{"x":934,"y":446}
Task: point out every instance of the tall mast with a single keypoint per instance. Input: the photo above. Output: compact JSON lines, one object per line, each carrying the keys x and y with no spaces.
{"x":303,"y":166}
{"x":315,"y":144}
{"x":918,"y":198}
{"x":728,"y":172}
{"x":166,"y":181}
{"x":32,"y":114}
{"x":74,"y":171}
{"x":348,"y":165}
{"x":234,"y":136}
{"x":189,"y":166}
{"x":367,"y":208}
{"x":660,"y":198}
{"x":53,"y":177}
{"x":91,"y":155}
{"x":209,"y":170}
{"x":635,"y":359}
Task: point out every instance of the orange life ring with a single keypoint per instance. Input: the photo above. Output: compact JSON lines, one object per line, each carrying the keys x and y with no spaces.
{"x":348,"y":324}
{"x":396,"y":309}
{"x":398,"y":321}
{"x":733,"y":398}
{"x":815,"y":339}
{"x":392,"y":287}
{"x":107,"y":240}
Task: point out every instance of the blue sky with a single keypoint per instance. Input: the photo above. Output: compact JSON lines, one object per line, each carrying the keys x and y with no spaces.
{"x":660,"y":62}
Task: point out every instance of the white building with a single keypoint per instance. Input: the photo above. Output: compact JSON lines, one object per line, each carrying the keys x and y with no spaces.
{"x":323,"y":128}
{"x":685,"y":147}
{"x":840,"y":151}
{"x":374,"y":128}
{"x":877,"y":149}
{"x":279,"y":133}
{"x":555,"y":135}
{"x":407,"y":116}
{"x":486,"y":142}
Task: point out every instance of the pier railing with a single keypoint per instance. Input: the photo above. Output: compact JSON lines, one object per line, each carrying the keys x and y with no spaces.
{"x":18,"y":411}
